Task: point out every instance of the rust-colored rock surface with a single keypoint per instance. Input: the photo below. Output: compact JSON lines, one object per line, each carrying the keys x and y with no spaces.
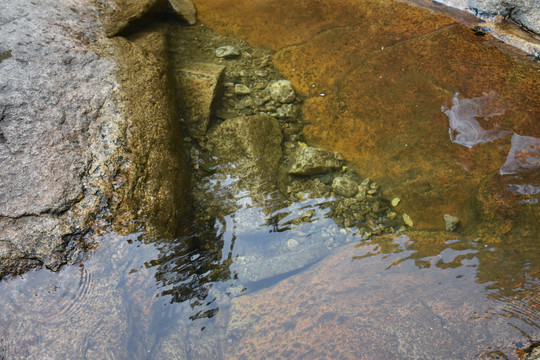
{"x":356,"y":304}
{"x":378,"y":75}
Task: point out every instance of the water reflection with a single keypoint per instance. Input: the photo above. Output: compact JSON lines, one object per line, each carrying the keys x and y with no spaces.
{"x":464,"y":126}
{"x":396,"y":299}
{"x":509,"y":270}
{"x":141,"y":298}
{"x":524,"y":155}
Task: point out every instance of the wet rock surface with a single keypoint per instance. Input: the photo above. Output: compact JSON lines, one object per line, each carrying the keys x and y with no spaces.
{"x":59,"y":126}
{"x":308,"y":160}
{"x":121,"y":16}
{"x":200,"y":83}
{"x":251,"y":171}
{"x":64,"y":118}
{"x":524,"y":12}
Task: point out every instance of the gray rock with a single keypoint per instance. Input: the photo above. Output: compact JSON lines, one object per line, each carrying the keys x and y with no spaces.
{"x":281,"y":91}
{"x":185,"y":9}
{"x":227,"y":52}
{"x":198,"y":85}
{"x":307,"y":160}
{"x":345,"y":186}
{"x":524,"y":12}
{"x":58,"y":122}
{"x":450,"y":222}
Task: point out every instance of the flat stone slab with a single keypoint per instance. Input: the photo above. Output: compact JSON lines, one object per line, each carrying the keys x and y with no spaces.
{"x":198,"y":85}
{"x":308,"y":160}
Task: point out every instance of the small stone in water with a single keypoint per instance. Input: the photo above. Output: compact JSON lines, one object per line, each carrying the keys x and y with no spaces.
{"x":292,"y":244}
{"x":450,"y":222}
{"x":241,"y":89}
{"x":281,"y":91}
{"x":395,"y":202}
{"x":227,"y":51}
{"x":344,"y":186}
{"x":407,"y":219}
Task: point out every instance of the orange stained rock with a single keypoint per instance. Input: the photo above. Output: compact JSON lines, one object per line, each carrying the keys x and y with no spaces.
{"x":376,"y":75}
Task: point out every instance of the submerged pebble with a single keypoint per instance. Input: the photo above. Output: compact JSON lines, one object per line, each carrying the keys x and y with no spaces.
{"x":407,"y":219}
{"x":450,"y":222}
{"x":281,"y":91}
{"x":241,"y":89}
{"x":227,"y":51}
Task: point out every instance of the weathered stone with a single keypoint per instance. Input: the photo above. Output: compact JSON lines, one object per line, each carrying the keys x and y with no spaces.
{"x":524,"y":12}
{"x":241,"y":89}
{"x":119,"y":14}
{"x":257,"y":138}
{"x":59,"y":125}
{"x":450,"y":222}
{"x":307,"y":160}
{"x":185,"y":9}
{"x":227,"y":52}
{"x":198,"y":84}
{"x":155,"y":192}
{"x":281,"y":91}
{"x":287,"y":111}
{"x":344,"y":186}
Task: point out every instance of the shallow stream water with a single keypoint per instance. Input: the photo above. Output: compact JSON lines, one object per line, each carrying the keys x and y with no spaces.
{"x":444,"y":119}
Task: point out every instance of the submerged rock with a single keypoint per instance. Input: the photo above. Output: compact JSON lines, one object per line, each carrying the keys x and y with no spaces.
{"x":241,"y":89}
{"x":450,"y":222}
{"x":227,"y":52}
{"x":185,"y":9}
{"x":524,"y":155}
{"x":247,"y":139}
{"x":281,"y":91}
{"x":344,"y":186}
{"x":307,"y":160}
{"x":198,"y":85}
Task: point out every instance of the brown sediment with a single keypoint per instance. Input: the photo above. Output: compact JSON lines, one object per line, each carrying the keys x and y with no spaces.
{"x":376,"y":75}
